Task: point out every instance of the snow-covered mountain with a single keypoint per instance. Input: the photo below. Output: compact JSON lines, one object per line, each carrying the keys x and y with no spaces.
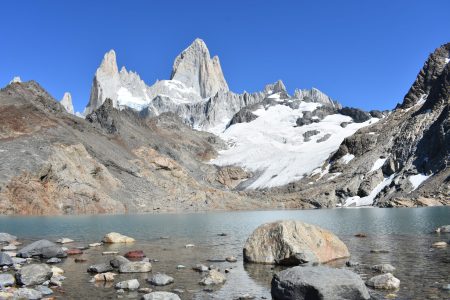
{"x":278,"y":137}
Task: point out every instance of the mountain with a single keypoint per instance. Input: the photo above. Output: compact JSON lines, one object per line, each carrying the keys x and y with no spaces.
{"x":66,"y":102}
{"x":402,"y":160}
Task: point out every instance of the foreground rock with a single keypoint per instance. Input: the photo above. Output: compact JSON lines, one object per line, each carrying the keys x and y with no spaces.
{"x":443,"y":229}
{"x":130,"y":285}
{"x":293,"y":243}
{"x":42,"y":248}
{"x":385,"y":281}
{"x":160,"y":279}
{"x":161,"y":296}
{"x":213,"y":277}
{"x":320,"y":282}
{"x":5,"y":260}
{"x":114,"y":237}
{"x":34,"y":274}
{"x":99,"y":268}
{"x":135,"y":267}
{"x":7,"y":280}
{"x":26,"y":293}
{"x":117,"y":261}
{"x":7,"y":238}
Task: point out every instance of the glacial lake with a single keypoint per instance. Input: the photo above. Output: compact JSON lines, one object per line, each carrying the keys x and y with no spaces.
{"x":404,"y":232}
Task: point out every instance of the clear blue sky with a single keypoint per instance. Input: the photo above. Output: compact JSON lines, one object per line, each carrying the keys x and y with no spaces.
{"x":363,"y":53}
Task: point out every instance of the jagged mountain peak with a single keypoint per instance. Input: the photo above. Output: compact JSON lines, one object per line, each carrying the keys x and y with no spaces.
{"x":109,"y":63}
{"x":196,"y":69}
{"x":432,"y":69}
{"x":276,"y":87}
{"x":66,"y":102}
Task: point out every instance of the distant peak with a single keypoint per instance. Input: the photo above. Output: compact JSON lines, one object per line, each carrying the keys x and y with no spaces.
{"x":276,"y":87}
{"x":109,"y":63}
{"x":66,"y":102}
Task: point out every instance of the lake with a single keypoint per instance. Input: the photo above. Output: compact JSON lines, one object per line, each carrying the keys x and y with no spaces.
{"x":404,"y":232}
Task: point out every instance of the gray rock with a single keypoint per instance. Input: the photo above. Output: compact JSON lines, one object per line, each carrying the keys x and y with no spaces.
{"x":356,"y":114}
{"x":135,"y":267}
{"x":351,"y":263}
{"x":18,"y":260}
{"x":130,"y":285}
{"x":7,"y":280}
{"x":160,"y":279}
{"x":383,"y":268}
{"x":54,"y":260}
{"x":213,"y":278}
{"x":118,"y":260}
{"x":370,"y":182}
{"x":42,"y":248}
{"x":161,"y":296}
{"x":200,"y":268}
{"x":27,"y":293}
{"x":9,"y":248}
{"x":385,"y":281}
{"x":443,"y":229}
{"x":5,"y":260}
{"x":7,"y":238}
{"x":308,"y":134}
{"x":100,"y":268}
{"x":44,"y":290}
{"x":318,"y":283}
{"x":324,"y":138}
{"x":293,"y":243}
{"x":33,"y":274}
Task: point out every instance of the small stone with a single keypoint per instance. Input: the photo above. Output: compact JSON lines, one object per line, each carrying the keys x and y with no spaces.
{"x":9,"y":248}
{"x":80,"y":260}
{"x":57,"y":271}
{"x":222,"y":234}
{"x":74,"y":251}
{"x":181,"y":267}
{"x":54,"y":260}
{"x":135,"y":254}
{"x":130,"y":285}
{"x":165,"y":237}
{"x":384,"y":268}
{"x":27,"y":293}
{"x":64,"y":241}
{"x":5,"y":260}
{"x":114,"y":237}
{"x":351,"y":263}
{"x":7,"y":238}
{"x":110,"y":252}
{"x":439,"y":245}
{"x":361,"y":235}
{"x":160,"y":279}
{"x":446,"y":287}
{"x":227,"y":271}
{"x":216,"y":260}
{"x":200,"y":268}
{"x":161,"y":296}
{"x":378,"y":251}
{"x":189,"y":246}
{"x":231,"y":259}
{"x":135,"y":267}
{"x":95,"y":245}
{"x":7,"y":280}
{"x":107,"y":277}
{"x":45,"y":291}
{"x":178,"y":291}
{"x":99,"y":268}
{"x":385,"y":281}
{"x":34,"y":274}
{"x":145,"y":290}
{"x":213,"y":277}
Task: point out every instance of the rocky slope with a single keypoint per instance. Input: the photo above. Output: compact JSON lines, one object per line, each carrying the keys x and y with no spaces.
{"x":402,"y":160}
{"x":113,"y":161}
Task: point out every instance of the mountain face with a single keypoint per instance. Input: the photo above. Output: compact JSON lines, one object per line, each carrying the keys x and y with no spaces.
{"x":402,"y":160}
{"x":66,"y":102}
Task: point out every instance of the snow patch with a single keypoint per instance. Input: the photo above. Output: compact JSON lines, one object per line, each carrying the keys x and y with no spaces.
{"x":368,"y":200}
{"x":125,"y":98}
{"x":347,"y":158}
{"x":447,"y":60}
{"x":416,"y":180}
{"x":378,"y":164}
{"x":273,"y":147}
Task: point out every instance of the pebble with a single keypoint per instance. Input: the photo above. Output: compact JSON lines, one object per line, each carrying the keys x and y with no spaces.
{"x":231,"y":259}
{"x":74,"y":251}
{"x":135,"y":254}
{"x":439,"y":245}
{"x":110,"y":252}
{"x":200,"y":268}
{"x":180,"y":267}
{"x":145,"y":290}
{"x":379,"y":251}
{"x":64,"y":241}
{"x":130,"y":285}
{"x":107,"y":277}
{"x":189,"y":246}
{"x":95,"y":244}
{"x":54,"y":260}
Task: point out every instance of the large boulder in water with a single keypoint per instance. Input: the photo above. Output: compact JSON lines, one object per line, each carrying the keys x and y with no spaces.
{"x":318,"y":283}
{"x":293,"y":243}
{"x":7,"y":238}
{"x":34,"y":274}
{"x":42,"y":248}
{"x":114,"y":237}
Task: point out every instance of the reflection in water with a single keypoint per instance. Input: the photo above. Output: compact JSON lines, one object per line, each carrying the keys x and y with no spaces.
{"x":405,"y":233}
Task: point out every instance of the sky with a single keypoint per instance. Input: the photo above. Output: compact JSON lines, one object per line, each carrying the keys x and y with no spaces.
{"x":364,"y":54}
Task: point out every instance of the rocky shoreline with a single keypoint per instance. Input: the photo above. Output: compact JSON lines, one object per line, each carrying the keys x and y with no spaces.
{"x":32,"y":272}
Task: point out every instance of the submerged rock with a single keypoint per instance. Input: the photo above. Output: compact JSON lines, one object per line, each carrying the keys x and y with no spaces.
{"x":320,"y":282}
{"x":99,"y":268}
{"x":7,"y":238}
{"x":135,"y":254}
{"x":34,"y":274}
{"x":161,"y":296}
{"x":130,"y":285}
{"x":5,"y":260}
{"x":293,"y":243}
{"x":213,"y":277}
{"x":114,"y":237}
{"x":160,"y":279}
{"x":385,"y":281}
{"x":384,"y":268}
{"x":135,"y":267}
{"x":443,"y":229}
{"x":42,"y":248}
{"x":200,"y":268}
{"x":439,"y":245}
